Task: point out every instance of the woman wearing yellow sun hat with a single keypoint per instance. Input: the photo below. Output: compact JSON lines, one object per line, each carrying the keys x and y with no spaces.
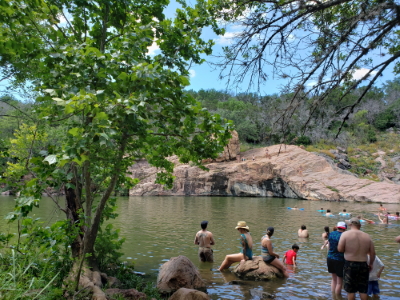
{"x":247,"y":245}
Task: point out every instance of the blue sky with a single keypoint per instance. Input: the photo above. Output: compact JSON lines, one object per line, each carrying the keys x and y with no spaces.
{"x":205,"y":76}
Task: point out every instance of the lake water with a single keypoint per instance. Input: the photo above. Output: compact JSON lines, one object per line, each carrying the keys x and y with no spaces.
{"x":158,"y":228}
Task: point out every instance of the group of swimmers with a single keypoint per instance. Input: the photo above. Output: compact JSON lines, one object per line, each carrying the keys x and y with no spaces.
{"x":383,"y":215}
{"x":351,"y":259}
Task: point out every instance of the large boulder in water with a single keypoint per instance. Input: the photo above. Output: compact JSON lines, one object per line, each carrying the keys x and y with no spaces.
{"x":256,"y":269}
{"x":179,"y":272}
{"x":189,"y":294}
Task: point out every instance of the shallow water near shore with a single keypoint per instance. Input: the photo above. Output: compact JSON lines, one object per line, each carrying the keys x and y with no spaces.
{"x":158,"y":228}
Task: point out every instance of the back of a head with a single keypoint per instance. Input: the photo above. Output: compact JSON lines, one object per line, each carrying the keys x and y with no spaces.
{"x":303,"y":227}
{"x":328,"y":210}
{"x":270,"y":231}
{"x":344,"y":210}
{"x":204,"y":224}
{"x":397,"y":213}
{"x":326,"y":228}
{"x":295,"y":246}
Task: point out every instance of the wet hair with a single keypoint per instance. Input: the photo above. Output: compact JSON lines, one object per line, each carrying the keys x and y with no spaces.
{"x":344,"y":210}
{"x":270,"y":231}
{"x":326,"y":228}
{"x":397,"y":213}
{"x":295,"y":246}
{"x":204,"y":224}
{"x":303,"y":227}
{"x":328,"y":210}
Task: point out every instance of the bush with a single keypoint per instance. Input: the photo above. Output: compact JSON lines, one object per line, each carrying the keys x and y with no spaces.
{"x":303,"y":140}
{"x":385,"y":120}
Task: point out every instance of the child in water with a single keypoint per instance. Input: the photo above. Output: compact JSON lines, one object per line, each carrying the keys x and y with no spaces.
{"x":374,"y":276}
{"x":290,"y":256}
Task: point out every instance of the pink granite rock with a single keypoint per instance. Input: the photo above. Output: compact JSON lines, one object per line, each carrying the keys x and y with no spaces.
{"x":281,"y":175}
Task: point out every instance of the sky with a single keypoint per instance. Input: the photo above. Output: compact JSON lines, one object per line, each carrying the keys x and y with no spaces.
{"x":206,"y":76}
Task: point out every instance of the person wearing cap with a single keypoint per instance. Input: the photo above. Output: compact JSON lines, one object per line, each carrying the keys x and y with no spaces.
{"x":356,"y":245}
{"x":335,"y":259}
{"x":246,"y":242}
{"x":205,"y":240}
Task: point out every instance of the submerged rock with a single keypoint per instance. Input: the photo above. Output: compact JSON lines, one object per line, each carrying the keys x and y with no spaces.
{"x":189,"y":294}
{"x":179,"y":272}
{"x":128,"y":294}
{"x":256,"y":269}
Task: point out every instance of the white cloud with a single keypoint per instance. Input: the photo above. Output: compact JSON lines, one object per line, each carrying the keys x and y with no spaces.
{"x":152,"y":49}
{"x":227,"y":38}
{"x":311,"y":83}
{"x":360,"y":73}
{"x":192,"y":73}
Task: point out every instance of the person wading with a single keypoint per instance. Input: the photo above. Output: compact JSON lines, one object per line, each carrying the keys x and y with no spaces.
{"x":356,"y":245}
{"x":205,"y":240}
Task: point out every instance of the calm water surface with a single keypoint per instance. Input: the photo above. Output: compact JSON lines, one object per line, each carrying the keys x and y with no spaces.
{"x":158,"y":228}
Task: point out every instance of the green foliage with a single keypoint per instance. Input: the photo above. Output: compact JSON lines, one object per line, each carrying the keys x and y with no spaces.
{"x":385,"y":119}
{"x":303,"y":140}
{"x":108,"y":246}
{"x":38,"y":261}
{"x":129,"y":279}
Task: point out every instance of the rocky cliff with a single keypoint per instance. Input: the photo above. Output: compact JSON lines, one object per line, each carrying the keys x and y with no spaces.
{"x":288,"y":171}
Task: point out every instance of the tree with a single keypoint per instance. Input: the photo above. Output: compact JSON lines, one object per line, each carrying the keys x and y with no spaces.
{"x":118,"y":104}
{"x":316,"y":45}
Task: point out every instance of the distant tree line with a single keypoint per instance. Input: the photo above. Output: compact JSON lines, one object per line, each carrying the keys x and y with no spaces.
{"x":257,"y":117}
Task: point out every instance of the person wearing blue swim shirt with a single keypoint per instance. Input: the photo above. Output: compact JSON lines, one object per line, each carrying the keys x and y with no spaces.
{"x":246,"y":242}
{"x":344,"y":213}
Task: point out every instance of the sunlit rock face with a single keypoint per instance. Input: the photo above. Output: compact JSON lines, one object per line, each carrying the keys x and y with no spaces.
{"x":289,"y":172}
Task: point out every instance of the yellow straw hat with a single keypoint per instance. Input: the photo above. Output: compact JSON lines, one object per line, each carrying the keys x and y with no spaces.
{"x":242,"y":224}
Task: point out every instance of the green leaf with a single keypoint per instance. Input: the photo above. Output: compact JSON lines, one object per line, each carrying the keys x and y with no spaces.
{"x":32,"y":182}
{"x":75,"y":131}
{"x":184,"y":80}
{"x":101,"y":116}
{"x":51,"y":159}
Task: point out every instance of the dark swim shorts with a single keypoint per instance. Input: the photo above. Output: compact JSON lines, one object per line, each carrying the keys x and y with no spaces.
{"x":356,"y":275}
{"x":335,"y":266}
{"x":268,"y":258}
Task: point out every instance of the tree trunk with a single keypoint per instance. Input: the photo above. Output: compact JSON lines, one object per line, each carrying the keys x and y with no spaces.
{"x":74,"y":206}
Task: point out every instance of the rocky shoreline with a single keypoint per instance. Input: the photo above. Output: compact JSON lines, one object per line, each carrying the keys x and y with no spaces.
{"x":289,"y":171}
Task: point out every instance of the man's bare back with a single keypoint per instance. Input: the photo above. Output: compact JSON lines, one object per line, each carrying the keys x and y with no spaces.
{"x":356,"y":245}
{"x":204,"y":238}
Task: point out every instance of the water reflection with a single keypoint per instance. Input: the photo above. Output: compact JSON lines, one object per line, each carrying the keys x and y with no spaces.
{"x":158,"y":228}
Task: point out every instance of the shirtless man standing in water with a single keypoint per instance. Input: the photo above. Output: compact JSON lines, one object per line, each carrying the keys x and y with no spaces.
{"x":356,"y":245}
{"x":205,"y":240}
